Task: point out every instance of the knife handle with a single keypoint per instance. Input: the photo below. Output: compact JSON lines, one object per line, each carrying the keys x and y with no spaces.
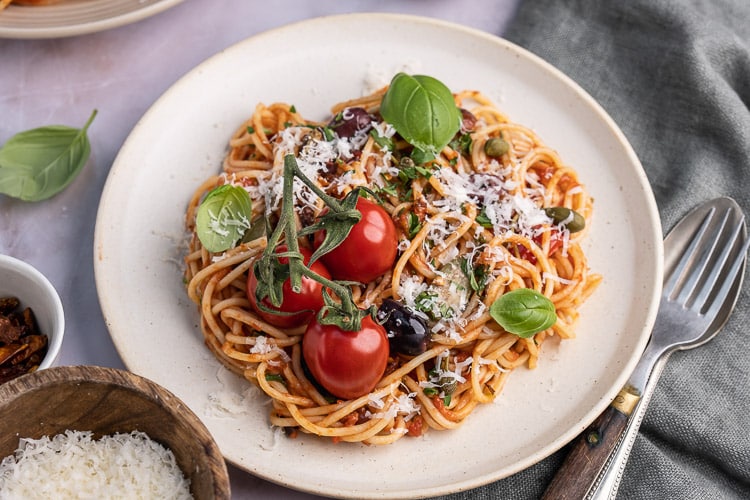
{"x":591,"y":449}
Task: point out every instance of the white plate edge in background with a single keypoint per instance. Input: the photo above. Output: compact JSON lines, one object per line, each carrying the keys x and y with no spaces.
{"x":75,"y":18}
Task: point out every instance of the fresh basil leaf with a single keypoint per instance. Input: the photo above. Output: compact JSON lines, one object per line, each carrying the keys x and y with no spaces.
{"x":523,"y":312}
{"x":422,"y":111}
{"x":258,"y":228}
{"x":408,"y":174}
{"x":484,"y":220}
{"x":420,"y":157}
{"x":476,"y":275}
{"x":384,"y":143}
{"x":462,"y":144}
{"x":223,"y":217}
{"x":429,"y":303}
{"x":415,"y":225}
{"x":390,"y":189}
{"x":274,"y":377}
{"x":39,"y":163}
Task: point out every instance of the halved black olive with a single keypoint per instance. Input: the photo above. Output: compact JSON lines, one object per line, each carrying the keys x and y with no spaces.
{"x":350,"y":121}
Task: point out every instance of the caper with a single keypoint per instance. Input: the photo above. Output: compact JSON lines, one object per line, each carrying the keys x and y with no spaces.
{"x":572,"y":220}
{"x":448,"y":385}
{"x":406,"y":162}
{"x":496,"y":147}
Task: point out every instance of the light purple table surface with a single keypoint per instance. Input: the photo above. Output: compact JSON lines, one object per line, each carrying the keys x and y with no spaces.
{"x":121,"y":72}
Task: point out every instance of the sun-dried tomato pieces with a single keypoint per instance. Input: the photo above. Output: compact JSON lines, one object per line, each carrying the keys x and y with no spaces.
{"x":22,"y":345}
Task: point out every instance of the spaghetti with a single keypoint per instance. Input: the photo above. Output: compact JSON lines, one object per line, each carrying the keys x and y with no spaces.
{"x":472,"y":226}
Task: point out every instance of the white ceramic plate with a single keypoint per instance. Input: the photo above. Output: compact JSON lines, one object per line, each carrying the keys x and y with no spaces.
{"x":182,"y":139}
{"x":75,"y":17}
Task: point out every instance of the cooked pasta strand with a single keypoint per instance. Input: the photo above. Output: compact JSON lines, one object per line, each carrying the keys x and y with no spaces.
{"x":472,"y":227}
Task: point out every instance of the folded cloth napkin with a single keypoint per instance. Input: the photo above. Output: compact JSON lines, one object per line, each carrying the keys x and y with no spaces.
{"x":675,"y":76}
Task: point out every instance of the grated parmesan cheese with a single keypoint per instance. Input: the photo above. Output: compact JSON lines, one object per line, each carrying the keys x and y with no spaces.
{"x":494,"y":188}
{"x":263,"y":346}
{"x":440,"y":376}
{"x":74,"y":465}
{"x":403,"y":404}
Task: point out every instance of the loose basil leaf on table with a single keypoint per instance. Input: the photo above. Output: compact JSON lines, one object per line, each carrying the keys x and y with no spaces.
{"x":422,"y":111}
{"x":39,"y":163}
{"x":523,"y":312}
{"x":223,"y":217}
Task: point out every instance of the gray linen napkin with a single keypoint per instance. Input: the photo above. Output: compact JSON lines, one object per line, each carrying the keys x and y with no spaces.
{"x":675,"y":76}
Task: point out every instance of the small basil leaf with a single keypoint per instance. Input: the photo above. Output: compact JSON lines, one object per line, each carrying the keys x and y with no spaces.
{"x":274,"y":377}
{"x":384,"y":143}
{"x":422,"y":111}
{"x":223,"y":217}
{"x":523,"y":312}
{"x":39,"y":163}
{"x":258,"y":228}
{"x":420,"y":157}
{"x":476,"y":275}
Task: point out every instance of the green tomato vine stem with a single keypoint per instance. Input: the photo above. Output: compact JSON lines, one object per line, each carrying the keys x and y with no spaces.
{"x":337,"y":223}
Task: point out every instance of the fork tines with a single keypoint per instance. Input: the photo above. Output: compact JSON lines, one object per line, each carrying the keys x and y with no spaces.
{"x":707,"y":270}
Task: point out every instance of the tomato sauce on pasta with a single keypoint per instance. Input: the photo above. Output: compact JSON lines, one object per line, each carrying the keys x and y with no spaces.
{"x":472,"y":224}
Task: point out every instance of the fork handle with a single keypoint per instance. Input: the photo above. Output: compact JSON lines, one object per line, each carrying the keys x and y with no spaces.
{"x":606,"y":485}
{"x":591,"y":449}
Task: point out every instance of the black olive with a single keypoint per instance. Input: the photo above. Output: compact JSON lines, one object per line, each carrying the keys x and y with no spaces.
{"x":407,"y":333}
{"x":468,"y":120}
{"x":350,"y":121}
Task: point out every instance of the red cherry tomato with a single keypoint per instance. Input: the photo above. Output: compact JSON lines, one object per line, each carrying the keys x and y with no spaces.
{"x":346,"y":364}
{"x":309,"y":300}
{"x":370,"y":248}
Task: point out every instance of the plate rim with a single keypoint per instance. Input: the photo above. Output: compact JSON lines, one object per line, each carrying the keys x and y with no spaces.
{"x":639,"y":173}
{"x":76,"y":28}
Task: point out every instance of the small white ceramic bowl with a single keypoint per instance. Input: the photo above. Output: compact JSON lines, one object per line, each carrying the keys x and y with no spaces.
{"x":22,"y":280}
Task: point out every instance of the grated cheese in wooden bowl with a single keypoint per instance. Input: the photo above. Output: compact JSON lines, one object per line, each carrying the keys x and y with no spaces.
{"x":74,"y":465}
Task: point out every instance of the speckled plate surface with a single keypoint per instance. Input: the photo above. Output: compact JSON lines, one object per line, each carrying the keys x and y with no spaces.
{"x":75,"y":17}
{"x":182,"y":139}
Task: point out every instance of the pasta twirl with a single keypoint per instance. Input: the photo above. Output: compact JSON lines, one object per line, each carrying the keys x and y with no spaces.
{"x":472,"y":226}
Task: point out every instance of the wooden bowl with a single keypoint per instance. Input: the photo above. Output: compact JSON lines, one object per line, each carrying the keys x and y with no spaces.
{"x":105,"y":401}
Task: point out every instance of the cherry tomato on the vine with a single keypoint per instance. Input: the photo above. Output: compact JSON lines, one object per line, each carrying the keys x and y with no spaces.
{"x":309,"y":300}
{"x":370,"y":248}
{"x":347,"y":364}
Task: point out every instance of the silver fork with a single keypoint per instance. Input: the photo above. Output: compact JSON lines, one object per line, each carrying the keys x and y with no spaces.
{"x":695,"y":292}
{"x":696,"y":289}
{"x":608,"y":481}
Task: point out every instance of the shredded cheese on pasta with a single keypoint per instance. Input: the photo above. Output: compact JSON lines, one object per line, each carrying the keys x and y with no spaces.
{"x":462,"y":209}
